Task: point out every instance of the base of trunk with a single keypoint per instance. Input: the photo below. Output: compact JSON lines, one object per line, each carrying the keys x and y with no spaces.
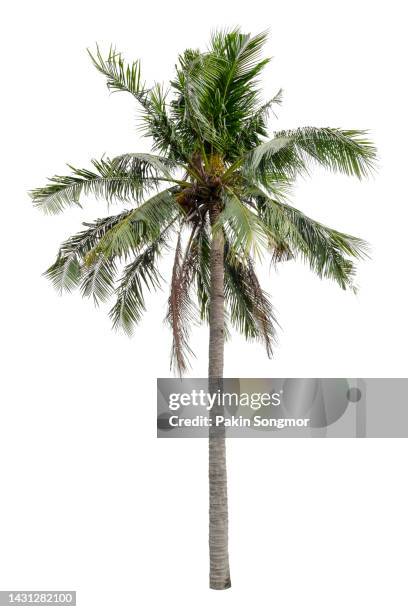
{"x":220,"y":586}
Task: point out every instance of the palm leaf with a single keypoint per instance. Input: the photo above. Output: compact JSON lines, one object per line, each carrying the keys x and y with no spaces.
{"x":98,"y":279}
{"x":139,"y":226}
{"x":244,"y":229}
{"x":120,"y":76}
{"x":249,"y":306}
{"x":256,"y":127}
{"x":290,"y":153}
{"x":145,"y":165}
{"x":181,"y":309}
{"x":141,"y":273}
{"x":107,"y":181}
{"x":327,"y":251}
{"x":64,"y":273}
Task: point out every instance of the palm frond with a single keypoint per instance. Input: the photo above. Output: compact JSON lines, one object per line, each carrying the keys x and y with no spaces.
{"x":140,"y":226}
{"x":263,"y":311}
{"x":98,"y":279}
{"x":346,"y":151}
{"x":181,"y":309}
{"x":249,"y":306}
{"x":83,"y":242}
{"x":197,"y":78}
{"x":255,"y":127}
{"x":64,"y":273}
{"x":120,"y":76}
{"x":201,"y":248}
{"x":291,"y":152}
{"x":141,"y":273}
{"x":327,"y":251}
{"x":218,"y":91}
{"x":243,"y":227}
{"x":146,"y":166}
{"x":237,"y":58}
{"x":156,"y":122}
{"x":105,"y":181}
{"x":160,"y":126}
{"x":89,"y":256}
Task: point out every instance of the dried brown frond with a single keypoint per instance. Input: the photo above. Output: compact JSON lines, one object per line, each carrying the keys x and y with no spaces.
{"x":181,"y":309}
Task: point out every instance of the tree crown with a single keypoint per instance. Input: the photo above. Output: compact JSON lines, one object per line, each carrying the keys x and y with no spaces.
{"x":213,"y":168}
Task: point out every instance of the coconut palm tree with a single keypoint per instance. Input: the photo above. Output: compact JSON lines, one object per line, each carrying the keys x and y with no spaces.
{"x":217,"y":187}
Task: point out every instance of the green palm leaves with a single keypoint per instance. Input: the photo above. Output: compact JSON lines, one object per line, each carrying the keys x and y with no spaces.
{"x":126,"y":178}
{"x":328,"y":252}
{"x":218,"y":92}
{"x":292,"y":152}
{"x":90,"y":259}
{"x":210,"y":133}
{"x":119,"y":75}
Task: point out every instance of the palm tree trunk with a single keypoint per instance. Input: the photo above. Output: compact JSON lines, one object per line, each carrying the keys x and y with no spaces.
{"x":217,"y":469}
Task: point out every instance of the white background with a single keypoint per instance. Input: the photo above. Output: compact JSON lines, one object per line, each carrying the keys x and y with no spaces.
{"x":90,"y":499}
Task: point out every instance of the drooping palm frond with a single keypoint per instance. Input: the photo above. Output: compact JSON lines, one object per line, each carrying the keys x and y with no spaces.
{"x":91,"y":253}
{"x":64,"y":273}
{"x":261,"y":158}
{"x":95,"y":279}
{"x":83,"y":242}
{"x":244,"y":228}
{"x":291,"y":152}
{"x":141,"y":273}
{"x":138,"y":227}
{"x":201,"y":248}
{"x":249,"y":306}
{"x":142,"y":228}
{"x":263,"y":311}
{"x":327,"y":251}
{"x":181,"y":309}
{"x":98,"y":278}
